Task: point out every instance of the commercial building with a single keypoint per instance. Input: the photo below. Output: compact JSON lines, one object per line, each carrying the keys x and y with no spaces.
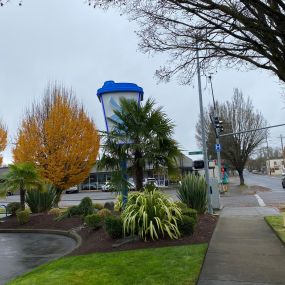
{"x":275,"y":166}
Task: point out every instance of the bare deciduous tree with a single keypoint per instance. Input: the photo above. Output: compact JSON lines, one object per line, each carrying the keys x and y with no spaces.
{"x":237,"y":115}
{"x":230,"y":33}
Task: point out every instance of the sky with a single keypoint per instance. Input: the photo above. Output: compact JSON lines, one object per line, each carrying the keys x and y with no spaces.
{"x":71,"y":43}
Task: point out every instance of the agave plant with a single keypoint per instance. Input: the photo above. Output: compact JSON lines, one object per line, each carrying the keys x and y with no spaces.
{"x":193,"y":193}
{"x":151,"y":214}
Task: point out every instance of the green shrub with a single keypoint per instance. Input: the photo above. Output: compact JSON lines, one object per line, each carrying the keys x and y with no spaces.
{"x":23,"y":216}
{"x":150,"y":187}
{"x":104,"y":213}
{"x":73,"y":211}
{"x":55,"y":212}
{"x":109,"y":206}
{"x":85,"y":207}
{"x":192,"y":213}
{"x":98,"y":206}
{"x":119,"y":204}
{"x":13,"y":207}
{"x":70,"y":212}
{"x":93,"y":221}
{"x":181,"y":205}
{"x":193,"y":193}
{"x":41,"y":201}
{"x":114,"y":226}
{"x":151,"y":214}
{"x":187,"y":225}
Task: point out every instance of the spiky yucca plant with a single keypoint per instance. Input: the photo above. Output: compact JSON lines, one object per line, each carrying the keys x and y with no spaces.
{"x":151,"y":214}
{"x":41,"y":201}
{"x":193,"y":193}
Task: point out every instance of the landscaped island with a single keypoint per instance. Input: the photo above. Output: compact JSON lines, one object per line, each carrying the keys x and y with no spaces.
{"x":166,"y":246}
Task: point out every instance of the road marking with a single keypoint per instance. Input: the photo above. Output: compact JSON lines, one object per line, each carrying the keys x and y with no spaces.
{"x":260,"y":201}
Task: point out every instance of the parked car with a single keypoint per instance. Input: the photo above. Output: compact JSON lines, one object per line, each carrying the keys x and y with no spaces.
{"x":71,"y":190}
{"x":89,"y":186}
{"x":150,"y":181}
{"x":106,"y":187}
{"x":283,"y":180}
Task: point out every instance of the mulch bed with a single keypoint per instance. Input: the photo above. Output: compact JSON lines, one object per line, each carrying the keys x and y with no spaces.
{"x":99,"y":241}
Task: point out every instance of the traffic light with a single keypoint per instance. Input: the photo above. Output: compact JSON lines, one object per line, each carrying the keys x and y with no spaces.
{"x":218,"y":125}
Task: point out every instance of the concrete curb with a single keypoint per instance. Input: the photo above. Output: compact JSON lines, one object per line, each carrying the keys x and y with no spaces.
{"x":71,"y":234}
{"x":208,"y":246}
{"x":279,"y":237}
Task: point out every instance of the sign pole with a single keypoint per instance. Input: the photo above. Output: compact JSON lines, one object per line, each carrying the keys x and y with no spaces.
{"x":219,"y":162}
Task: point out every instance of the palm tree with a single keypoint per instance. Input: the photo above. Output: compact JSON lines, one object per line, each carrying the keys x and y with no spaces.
{"x":23,"y":177}
{"x":141,"y":135}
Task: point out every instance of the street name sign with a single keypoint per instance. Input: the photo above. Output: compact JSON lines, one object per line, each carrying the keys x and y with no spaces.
{"x":195,"y":152}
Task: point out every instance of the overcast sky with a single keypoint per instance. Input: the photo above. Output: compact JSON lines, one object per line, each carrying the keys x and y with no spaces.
{"x":69,"y":42}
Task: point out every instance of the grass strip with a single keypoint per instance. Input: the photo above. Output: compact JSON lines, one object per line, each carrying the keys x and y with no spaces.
{"x":159,"y":266}
{"x":276,"y":223}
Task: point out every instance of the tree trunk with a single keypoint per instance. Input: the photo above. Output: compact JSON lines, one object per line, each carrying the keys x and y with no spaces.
{"x":138,"y":171}
{"x":241,"y":178}
{"x":22,"y":198}
{"x":57,"y":197}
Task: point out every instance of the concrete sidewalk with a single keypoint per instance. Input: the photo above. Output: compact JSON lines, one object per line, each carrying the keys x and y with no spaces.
{"x":244,"y":250}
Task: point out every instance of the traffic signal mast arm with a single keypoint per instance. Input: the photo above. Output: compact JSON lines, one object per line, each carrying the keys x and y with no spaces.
{"x":252,"y":130}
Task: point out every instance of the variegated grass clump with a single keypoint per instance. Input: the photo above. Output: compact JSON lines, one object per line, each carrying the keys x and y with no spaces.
{"x":151,"y":214}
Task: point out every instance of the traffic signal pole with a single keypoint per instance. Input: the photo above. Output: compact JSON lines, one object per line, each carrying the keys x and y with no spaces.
{"x":206,"y":164}
{"x":219,"y":162}
{"x":217,"y":133}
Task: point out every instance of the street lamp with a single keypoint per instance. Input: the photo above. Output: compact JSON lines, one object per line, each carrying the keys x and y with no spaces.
{"x":110,"y":95}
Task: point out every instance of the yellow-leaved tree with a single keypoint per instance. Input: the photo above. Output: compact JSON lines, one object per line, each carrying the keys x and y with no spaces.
{"x":59,"y":138}
{"x":3,"y":140}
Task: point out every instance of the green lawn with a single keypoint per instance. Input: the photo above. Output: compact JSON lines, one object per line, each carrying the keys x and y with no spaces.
{"x":276,"y":222}
{"x":169,"y":265}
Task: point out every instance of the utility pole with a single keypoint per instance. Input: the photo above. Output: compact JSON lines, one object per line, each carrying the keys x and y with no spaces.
{"x":206,"y":162}
{"x":268,"y":157}
{"x":216,"y":132}
{"x":282,"y":150}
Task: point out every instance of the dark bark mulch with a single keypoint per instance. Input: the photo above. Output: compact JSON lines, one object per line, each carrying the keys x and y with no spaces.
{"x":99,"y":241}
{"x":41,"y":221}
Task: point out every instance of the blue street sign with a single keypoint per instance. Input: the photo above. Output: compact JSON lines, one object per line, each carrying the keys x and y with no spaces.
{"x":218,"y":147}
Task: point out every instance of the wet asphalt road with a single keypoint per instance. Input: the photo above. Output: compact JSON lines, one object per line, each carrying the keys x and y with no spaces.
{"x":20,"y":253}
{"x":276,"y":196}
{"x":272,"y":182}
